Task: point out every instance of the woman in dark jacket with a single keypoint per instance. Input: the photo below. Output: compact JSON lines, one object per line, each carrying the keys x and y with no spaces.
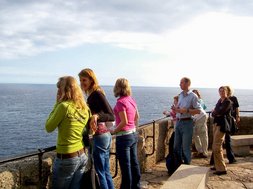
{"x":222,"y":109}
{"x":101,"y":113}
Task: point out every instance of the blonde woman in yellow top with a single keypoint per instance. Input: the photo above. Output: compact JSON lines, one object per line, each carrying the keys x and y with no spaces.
{"x":70,"y":115}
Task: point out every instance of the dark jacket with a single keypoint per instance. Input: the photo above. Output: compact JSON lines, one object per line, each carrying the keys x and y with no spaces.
{"x":221,"y":110}
{"x":98,"y":104}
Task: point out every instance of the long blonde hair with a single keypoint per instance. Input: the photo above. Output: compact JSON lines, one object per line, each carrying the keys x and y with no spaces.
{"x":70,"y":90}
{"x":88,"y":73}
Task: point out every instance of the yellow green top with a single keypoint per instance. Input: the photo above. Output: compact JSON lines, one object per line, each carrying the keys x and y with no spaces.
{"x":70,"y":122}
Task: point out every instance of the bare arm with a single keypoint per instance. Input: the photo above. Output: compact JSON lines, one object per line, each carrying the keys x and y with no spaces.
{"x":136,"y":118}
{"x":123,"y":122}
{"x":187,"y":110}
{"x":237,"y":115}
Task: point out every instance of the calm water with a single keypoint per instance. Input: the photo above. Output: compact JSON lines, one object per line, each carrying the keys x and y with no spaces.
{"x":25,"y":107}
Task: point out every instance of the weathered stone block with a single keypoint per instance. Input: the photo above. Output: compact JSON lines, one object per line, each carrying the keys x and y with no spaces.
{"x":188,"y":177}
{"x":241,"y":144}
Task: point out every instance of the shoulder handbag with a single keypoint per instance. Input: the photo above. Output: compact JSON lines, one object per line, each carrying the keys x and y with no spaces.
{"x":230,"y":125}
{"x":226,"y":126}
{"x":234,"y":128}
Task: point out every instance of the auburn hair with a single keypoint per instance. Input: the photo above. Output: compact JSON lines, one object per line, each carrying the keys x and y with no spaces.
{"x":89,"y":73}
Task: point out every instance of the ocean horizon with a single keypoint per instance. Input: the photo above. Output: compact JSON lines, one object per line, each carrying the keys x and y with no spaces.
{"x":111,"y":85}
{"x":25,"y":108}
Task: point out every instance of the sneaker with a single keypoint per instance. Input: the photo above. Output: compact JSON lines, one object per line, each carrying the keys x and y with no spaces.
{"x":220,"y":172}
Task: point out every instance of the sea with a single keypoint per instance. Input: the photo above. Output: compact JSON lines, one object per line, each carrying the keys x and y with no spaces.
{"x":24,"y":109}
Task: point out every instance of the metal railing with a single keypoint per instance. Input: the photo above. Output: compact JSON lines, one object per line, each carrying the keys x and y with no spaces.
{"x":142,"y":126}
{"x":40,"y":152}
{"x":210,"y":113}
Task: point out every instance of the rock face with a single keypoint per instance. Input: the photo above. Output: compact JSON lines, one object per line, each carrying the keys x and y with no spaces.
{"x":25,"y":173}
{"x":8,"y":180}
{"x":152,"y":148}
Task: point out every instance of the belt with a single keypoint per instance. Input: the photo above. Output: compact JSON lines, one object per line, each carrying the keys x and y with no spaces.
{"x":100,"y":132}
{"x":122,"y":133}
{"x":184,"y":119}
{"x":101,"y":129}
{"x":70,"y":155}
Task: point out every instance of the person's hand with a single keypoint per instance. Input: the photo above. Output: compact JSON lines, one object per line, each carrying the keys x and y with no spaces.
{"x":213,"y":113}
{"x":93,"y":123}
{"x":180,"y":110}
{"x":237,"y":119}
{"x":166,"y":112}
{"x":183,"y":110}
{"x":112,"y":132}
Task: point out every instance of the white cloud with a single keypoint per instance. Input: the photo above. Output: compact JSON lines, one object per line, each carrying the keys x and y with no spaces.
{"x":184,"y":35}
{"x":213,"y":49}
{"x":31,"y":27}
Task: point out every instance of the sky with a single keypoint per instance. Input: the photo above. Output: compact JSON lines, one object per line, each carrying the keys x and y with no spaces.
{"x":151,"y":43}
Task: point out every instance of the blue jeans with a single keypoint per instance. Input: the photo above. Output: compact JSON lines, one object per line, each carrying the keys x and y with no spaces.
{"x":68,"y":173}
{"x":101,"y":156}
{"x":126,"y":150}
{"x":183,"y":141}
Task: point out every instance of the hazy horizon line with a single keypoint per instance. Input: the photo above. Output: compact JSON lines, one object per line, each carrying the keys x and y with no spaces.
{"x":107,"y":85}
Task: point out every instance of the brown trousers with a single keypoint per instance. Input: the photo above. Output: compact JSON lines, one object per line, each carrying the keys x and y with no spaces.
{"x":218,"y":139}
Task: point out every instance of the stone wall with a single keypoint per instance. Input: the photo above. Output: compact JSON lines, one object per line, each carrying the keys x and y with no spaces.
{"x":25,"y":173}
{"x":245,"y":127}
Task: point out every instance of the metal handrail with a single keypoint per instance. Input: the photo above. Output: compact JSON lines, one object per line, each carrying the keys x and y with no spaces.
{"x":142,"y":126}
{"x":116,"y":164}
{"x":153,"y":138}
{"x":41,"y":151}
{"x":52,"y":148}
{"x":139,"y":127}
{"x":26,"y":155}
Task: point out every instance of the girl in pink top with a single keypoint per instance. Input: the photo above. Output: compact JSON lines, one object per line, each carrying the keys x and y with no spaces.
{"x":127,"y":107}
{"x":127,"y":116}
